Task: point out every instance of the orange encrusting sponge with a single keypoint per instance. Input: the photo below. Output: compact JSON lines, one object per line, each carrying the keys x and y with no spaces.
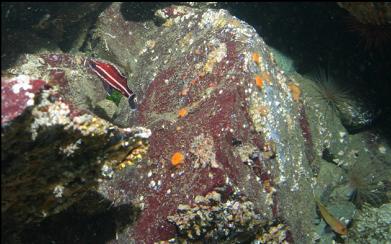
{"x":295,"y":91}
{"x":182,"y":112}
{"x":177,"y":159}
{"x":256,"y":58}
{"x":259,"y":81}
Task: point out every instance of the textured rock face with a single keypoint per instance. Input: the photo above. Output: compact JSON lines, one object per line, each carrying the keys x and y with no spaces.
{"x":53,"y":152}
{"x":16,"y":95}
{"x":209,"y":88}
{"x":372,"y":224}
{"x":238,"y":142}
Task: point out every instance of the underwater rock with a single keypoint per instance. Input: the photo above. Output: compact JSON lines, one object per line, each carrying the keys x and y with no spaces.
{"x":366,"y":167}
{"x":52,"y":150}
{"x":229,"y":133}
{"x":372,"y":225}
{"x":283,"y":61}
{"x":17,"y":93}
{"x":337,"y":102}
{"x":329,"y":176}
{"x":210,"y":92}
{"x":60,"y":22}
{"x":356,"y":176}
{"x":329,"y":136}
{"x":212,"y":220}
{"x":31,"y":27}
{"x":76,"y":81}
{"x":357,"y":115}
{"x":106,"y":109}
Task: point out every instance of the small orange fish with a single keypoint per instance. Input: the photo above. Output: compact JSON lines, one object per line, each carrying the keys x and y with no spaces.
{"x":334,"y":223}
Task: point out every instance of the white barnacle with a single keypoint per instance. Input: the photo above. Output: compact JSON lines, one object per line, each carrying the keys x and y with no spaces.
{"x":382,"y":149}
{"x":69,"y":149}
{"x":152,"y":184}
{"x":22,"y":82}
{"x":58,"y":191}
{"x":31,"y":96}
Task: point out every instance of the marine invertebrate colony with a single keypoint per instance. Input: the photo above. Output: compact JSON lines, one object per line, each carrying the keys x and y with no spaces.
{"x":214,"y":220}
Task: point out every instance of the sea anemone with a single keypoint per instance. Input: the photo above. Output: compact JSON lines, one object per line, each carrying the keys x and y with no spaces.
{"x":374,"y":36}
{"x":367,"y":182}
{"x":330,"y":93}
{"x":371,"y":23}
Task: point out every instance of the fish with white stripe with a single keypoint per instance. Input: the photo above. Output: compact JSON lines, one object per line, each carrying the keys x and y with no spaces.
{"x":112,"y":78}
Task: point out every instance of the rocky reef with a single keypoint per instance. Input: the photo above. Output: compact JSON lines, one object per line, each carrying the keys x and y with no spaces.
{"x":226,"y":144}
{"x":213,"y":93}
{"x":53,"y":151}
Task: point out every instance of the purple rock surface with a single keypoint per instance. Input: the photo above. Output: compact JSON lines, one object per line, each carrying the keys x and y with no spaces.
{"x":197,"y":77}
{"x":16,"y":95}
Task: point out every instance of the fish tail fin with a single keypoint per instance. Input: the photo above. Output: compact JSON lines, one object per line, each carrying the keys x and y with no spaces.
{"x":132,"y":100}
